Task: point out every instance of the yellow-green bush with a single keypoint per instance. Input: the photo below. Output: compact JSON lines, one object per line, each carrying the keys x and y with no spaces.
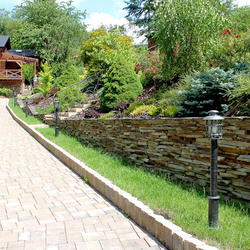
{"x":142,"y":109}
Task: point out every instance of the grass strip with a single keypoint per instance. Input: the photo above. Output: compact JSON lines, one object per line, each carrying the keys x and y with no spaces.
{"x":185,"y":205}
{"x":22,"y":115}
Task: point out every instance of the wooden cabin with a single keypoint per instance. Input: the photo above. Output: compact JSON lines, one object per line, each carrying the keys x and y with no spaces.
{"x":10,"y":64}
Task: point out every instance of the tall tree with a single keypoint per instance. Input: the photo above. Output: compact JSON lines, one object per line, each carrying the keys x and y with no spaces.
{"x":141,"y":13}
{"x":54,"y":29}
{"x":185,"y":29}
{"x":8,"y":25}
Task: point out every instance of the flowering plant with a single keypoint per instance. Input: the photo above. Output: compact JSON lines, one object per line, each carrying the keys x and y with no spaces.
{"x":150,"y":68}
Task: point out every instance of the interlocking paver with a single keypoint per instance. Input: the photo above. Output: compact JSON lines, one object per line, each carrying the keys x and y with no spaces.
{"x":46,"y":206}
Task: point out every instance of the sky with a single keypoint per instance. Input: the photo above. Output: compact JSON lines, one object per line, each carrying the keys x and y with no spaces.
{"x":100,"y":12}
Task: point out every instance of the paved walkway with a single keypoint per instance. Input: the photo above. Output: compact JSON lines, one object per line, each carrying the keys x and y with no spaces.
{"x":44,"y":205}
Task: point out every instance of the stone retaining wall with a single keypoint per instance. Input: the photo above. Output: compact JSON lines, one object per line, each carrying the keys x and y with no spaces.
{"x":175,"y":146}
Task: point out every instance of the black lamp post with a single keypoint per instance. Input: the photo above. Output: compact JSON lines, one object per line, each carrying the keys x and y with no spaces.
{"x":26,"y":102}
{"x":56,"y":107}
{"x":213,"y":132}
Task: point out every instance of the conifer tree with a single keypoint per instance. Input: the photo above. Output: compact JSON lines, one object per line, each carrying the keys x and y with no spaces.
{"x":121,"y":84}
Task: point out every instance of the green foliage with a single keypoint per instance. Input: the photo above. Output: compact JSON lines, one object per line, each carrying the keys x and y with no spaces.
{"x":69,"y":77}
{"x":6,"y":92}
{"x":240,"y":17}
{"x":141,"y":110}
{"x":121,"y":84}
{"x":206,"y":92}
{"x":50,"y":27}
{"x":141,"y":13}
{"x":8,"y":25}
{"x":230,"y":48}
{"x":49,"y":109}
{"x":70,"y":97}
{"x":45,"y":79}
{"x":171,"y":111}
{"x":184,"y":30}
{"x":134,"y":105}
{"x":239,"y":95}
{"x":100,"y":50}
{"x":28,"y":71}
{"x":151,"y":68}
{"x":155,"y":111}
{"x":107,"y":115}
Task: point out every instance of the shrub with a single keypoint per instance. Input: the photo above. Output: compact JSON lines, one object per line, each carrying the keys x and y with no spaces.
{"x":121,"y":106}
{"x":91,"y":113}
{"x":239,"y":95}
{"x":170,"y":111}
{"x":206,"y":92}
{"x":151,"y":68}
{"x":46,"y":79}
{"x":70,"y":97}
{"x":107,"y":115}
{"x":134,"y":105}
{"x":141,"y":110}
{"x":230,"y":49}
{"x":155,"y":111}
{"x":69,"y":77}
{"x":120,"y":84}
{"x":6,"y":92}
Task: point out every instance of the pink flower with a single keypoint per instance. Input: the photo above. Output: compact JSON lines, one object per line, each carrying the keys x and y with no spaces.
{"x":138,"y":64}
{"x":137,"y":71}
{"x":237,"y":36}
{"x":142,"y":71}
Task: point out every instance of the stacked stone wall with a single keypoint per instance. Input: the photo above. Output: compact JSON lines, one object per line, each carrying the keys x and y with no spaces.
{"x":177,"y":147}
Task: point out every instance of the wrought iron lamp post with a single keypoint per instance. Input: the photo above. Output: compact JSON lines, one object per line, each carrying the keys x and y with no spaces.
{"x":213,"y":132}
{"x":56,"y":107}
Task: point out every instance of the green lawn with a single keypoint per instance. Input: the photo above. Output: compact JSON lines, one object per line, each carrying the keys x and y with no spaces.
{"x":186,"y":206}
{"x":22,"y":115}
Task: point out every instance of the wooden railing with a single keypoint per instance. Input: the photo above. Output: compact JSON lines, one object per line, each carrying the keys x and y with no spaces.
{"x":9,"y":74}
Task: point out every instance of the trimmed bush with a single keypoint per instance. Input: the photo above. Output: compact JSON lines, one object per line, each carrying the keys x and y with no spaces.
{"x":141,"y":110}
{"x":134,"y":105}
{"x":120,"y":84}
{"x":171,"y":111}
{"x":6,"y":92}
{"x":69,"y":77}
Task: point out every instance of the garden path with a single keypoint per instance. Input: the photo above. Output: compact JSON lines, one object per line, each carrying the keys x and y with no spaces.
{"x":44,"y":205}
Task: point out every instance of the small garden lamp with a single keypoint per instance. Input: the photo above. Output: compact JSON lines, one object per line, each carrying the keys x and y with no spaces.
{"x":56,"y":107}
{"x":26,"y":105}
{"x":213,"y":132}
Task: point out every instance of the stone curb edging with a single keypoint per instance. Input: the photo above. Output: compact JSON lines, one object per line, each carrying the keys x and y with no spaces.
{"x":164,"y":230}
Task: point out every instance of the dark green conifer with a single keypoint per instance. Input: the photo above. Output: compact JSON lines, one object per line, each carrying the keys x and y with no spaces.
{"x":121,"y":84}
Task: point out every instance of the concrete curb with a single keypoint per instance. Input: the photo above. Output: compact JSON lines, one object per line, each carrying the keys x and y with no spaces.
{"x":164,"y":230}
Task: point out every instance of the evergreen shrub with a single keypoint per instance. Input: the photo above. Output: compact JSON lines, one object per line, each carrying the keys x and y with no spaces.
{"x":134,"y":105}
{"x":6,"y":92}
{"x":171,"y":111}
{"x":141,"y":110}
{"x":206,"y":92}
{"x":120,"y":84}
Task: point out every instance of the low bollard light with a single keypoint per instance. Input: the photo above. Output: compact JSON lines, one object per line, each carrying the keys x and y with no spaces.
{"x":213,"y":132}
{"x":26,"y":102}
{"x":56,"y":107}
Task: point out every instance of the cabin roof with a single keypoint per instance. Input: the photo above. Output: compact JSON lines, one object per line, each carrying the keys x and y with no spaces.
{"x":5,"y":42}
